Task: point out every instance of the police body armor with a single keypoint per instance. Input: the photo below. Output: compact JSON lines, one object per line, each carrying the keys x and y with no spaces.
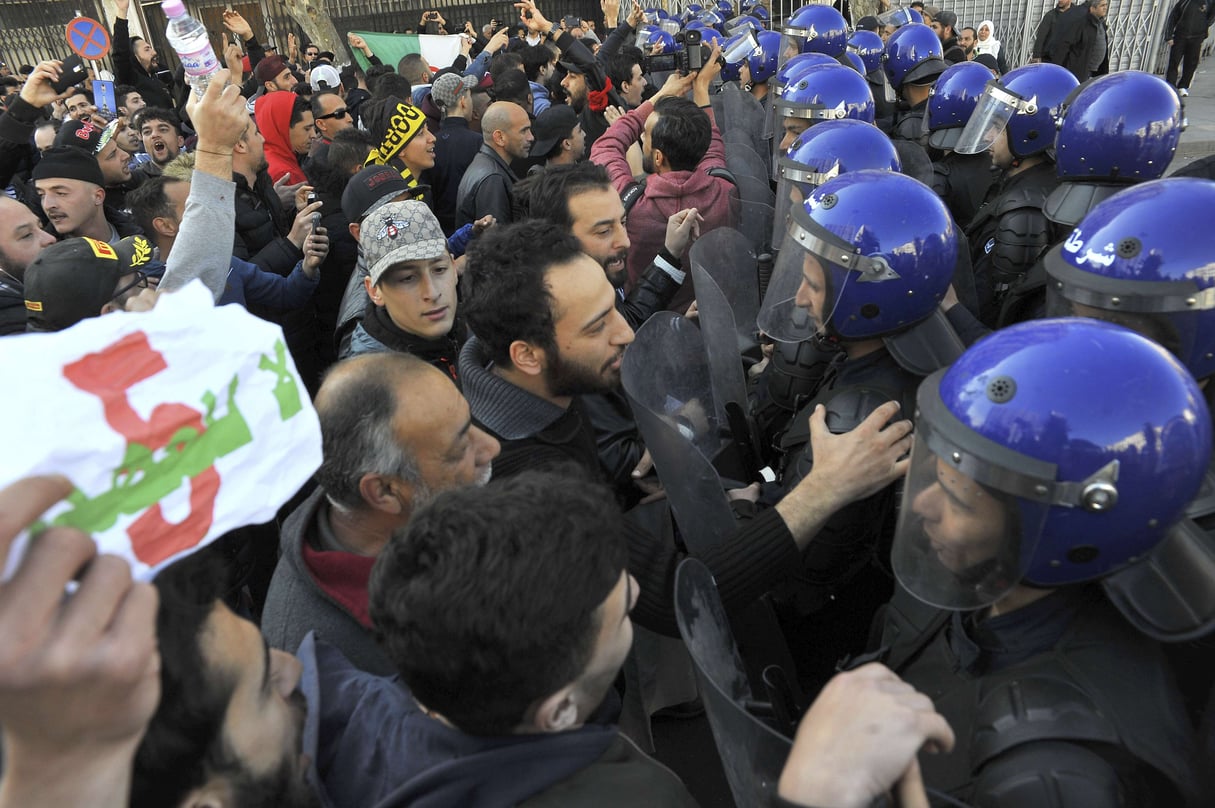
{"x":1009,"y":234}
{"x":909,"y":123}
{"x":1056,"y":729}
{"x":962,"y":181}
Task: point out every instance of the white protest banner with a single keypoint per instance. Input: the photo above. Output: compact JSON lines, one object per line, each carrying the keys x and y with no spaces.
{"x":174,"y":425}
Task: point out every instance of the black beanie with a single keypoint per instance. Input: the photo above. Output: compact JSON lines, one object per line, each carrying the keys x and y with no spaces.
{"x":69,"y":163}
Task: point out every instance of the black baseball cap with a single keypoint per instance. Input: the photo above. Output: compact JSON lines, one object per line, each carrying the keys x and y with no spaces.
{"x":371,"y":189}
{"x":71,"y":281}
{"x":552,"y":126}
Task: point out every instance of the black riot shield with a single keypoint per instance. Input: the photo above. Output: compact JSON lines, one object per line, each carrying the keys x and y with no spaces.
{"x":665,"y":375}
{"x":752,"y":751}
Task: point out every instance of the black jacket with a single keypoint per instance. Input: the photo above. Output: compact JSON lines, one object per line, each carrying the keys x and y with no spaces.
{"x":12,"y":306}
{"x":536,"y":434}
{"x":260,"y":225}
{"x":1073,"y":41}
{"x":486,"y":188}
{"x":455,"y":149}
{"x":127,"y":70}
{"x":1051,"y":21}
{"x":16,"y":143}
{"x":954,"y":52}
{"x":1190,"y":19}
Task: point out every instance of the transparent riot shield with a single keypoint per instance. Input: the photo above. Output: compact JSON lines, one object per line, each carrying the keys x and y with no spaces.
{"x":740,"y":118}
{"x":666,"y":377}
{"x":752,"y":751}
{"x":756,"y":199}
{"x":727,"y":257}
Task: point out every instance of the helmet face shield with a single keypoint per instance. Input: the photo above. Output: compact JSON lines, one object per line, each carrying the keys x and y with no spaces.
{"x":740,"y":47}
{"x":795,"y":305}
{"x":795,"y":182}
{"x":960,"y":544}
{"x":813,"y":271}
{"x":898,"y":17}
{"x":991,"y":116}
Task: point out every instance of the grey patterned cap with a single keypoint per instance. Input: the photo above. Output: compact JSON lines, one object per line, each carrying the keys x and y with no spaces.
{"x":398,"y":232}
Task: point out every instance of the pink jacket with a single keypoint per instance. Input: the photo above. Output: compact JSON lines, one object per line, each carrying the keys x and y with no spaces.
{"x":715,"y":198}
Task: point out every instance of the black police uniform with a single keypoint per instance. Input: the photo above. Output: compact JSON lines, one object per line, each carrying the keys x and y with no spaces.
{"x":1058,"y":704}
{"x":1009,"y":234}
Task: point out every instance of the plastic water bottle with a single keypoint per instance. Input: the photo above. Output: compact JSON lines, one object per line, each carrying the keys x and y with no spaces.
{"x":189,"y":38}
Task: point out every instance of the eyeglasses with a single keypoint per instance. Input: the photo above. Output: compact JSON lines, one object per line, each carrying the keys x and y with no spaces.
{"x":141,"y":281}
{"x":337,"y":113}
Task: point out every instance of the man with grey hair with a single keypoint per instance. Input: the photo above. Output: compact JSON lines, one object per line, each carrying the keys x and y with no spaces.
{"x":395,"y":432}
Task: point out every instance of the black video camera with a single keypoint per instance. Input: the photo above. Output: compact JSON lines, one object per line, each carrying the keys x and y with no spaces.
{"x":692,"y":56}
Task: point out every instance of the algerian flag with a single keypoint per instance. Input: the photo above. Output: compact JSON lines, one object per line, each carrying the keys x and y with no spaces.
{"x":440,"y":51}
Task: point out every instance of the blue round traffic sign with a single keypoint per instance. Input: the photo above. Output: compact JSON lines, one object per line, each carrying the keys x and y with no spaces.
{"x":88,"y":38}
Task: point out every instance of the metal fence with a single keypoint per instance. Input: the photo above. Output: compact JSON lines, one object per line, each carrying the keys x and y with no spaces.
{"x":1136,"y":27}
{"x":272,"y":21}
{"x":31,"y":32}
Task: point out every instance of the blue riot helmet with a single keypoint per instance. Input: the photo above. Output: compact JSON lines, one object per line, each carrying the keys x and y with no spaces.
{"x":1050,"y":453}
{"x":869,"y":254}
{"x":913,"y":55}
{"x":711,"y":18}
{"x":826,"y":93}
{"x":763,"y":63}
{"x":898,"y":17}
{"x":868,"y":46}
{"x":787,"y":73}
{"x":951,"y":101}
{"x":650,"y":16}
{"x":1142,"y":259}
{"x":743,"y":22}
{"x":697,"y":25}
{"x":1026,"y":102}
{"x":690,"y":11}
{"x":760,"y":13}
{"x":814,"y":29}
{"x":826,"y":151}
{"x":735,"y":51}
{"x":642,"y":38}
{"x":659,"y":37}
{"x":855,"y":62}
{"x":1115,"y":131}
{"x":708,"y":36}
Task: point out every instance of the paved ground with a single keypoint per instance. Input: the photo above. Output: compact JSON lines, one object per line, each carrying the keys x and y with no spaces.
{"x":1198,"y":140}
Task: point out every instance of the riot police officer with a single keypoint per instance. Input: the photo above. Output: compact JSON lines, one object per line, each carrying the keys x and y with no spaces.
{"x":821,"y":153}
{"x":1050,"y":460}
{"x":1115,"y":131}
{"x":827,"y":92}
{"x":869,"y":47}
{"x":1015,"y":122}
{"x":962,"y":180}
{"x":1138,"y":260}
{"x":865,"y":261}
{"x":913,"y":60}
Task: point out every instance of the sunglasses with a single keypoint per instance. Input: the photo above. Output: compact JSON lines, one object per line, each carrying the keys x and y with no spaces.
{"x":337,"y":113}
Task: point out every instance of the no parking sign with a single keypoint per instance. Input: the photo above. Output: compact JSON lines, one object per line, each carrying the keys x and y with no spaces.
{"x":88,"y":38}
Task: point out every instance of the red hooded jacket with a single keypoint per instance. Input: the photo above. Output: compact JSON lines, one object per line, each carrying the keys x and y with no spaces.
{"x":273,"y":113}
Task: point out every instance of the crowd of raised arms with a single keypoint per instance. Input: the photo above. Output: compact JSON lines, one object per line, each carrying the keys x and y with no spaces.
{"x":828,"y":382}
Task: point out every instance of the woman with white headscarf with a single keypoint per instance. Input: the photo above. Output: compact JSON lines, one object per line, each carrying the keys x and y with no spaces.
{"x":988,"y":43}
